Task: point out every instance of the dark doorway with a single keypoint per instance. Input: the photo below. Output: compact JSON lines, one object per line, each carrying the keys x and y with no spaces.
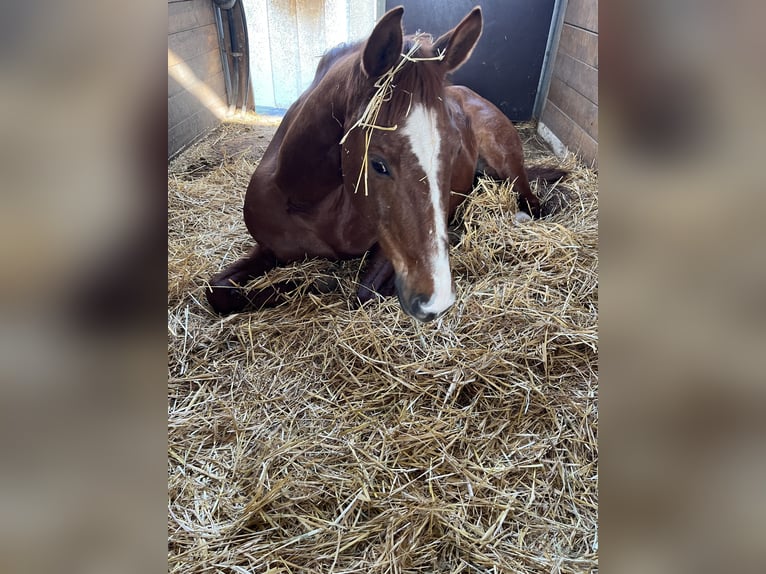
{"x":505,"y":66}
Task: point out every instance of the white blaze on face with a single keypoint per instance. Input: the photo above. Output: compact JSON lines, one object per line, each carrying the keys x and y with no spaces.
{"x":422,"y":131}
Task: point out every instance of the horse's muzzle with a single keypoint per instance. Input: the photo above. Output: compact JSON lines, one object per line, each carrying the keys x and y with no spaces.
{"x":416,"y":305}
{"x":414,"y":308}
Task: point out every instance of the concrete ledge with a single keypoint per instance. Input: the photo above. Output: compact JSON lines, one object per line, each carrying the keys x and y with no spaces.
{"x":552,"y":140}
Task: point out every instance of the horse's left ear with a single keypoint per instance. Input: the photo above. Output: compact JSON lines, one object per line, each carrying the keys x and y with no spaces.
{"x":384,"y":46}
{"x":458,"y":43}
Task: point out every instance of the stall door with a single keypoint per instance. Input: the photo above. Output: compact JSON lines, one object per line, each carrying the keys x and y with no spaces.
{"x":505,"y":66}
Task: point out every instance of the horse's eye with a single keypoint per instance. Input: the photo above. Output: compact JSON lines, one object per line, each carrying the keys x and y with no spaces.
{"x":380,"y":167}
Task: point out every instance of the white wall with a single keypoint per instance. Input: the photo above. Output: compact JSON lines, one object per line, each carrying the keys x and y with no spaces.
{"x":287,"y":38}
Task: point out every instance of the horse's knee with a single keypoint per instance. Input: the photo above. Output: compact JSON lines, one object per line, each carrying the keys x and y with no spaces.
{"x":385,"y":288}
{"x":224,"y":293}
{"x":364,"y":294}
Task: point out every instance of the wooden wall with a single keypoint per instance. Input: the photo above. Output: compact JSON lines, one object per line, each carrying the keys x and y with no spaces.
{"x":196,"y":91}
{"x":570,"y":112}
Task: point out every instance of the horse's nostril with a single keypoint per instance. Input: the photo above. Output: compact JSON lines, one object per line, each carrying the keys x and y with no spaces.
{"x":416,"y":306}
{"x":417,"y":302}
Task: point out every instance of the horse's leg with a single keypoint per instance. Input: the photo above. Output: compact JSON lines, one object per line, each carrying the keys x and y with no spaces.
{"x":500,"y":153}
{"x":225,"y":293}
{"x":379,"y":279}
{"x":502,"y":157}
{"x":528,"y":201}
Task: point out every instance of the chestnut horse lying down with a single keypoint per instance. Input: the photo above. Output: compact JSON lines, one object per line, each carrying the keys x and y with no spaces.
{"x":336,"y":186}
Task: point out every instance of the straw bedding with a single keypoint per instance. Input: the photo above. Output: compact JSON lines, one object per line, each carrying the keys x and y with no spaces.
{"x":319,"y":437}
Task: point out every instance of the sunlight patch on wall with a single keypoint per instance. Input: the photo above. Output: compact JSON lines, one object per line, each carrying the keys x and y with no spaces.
{"x":181,"y":73}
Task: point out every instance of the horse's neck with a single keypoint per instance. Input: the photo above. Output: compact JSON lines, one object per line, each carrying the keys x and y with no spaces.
{"x":308,"y":163}
{"x":309,"y":158}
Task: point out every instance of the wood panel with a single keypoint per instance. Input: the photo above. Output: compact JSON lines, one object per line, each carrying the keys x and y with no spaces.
{"x":188,"y":102}
{"x":185,"y":106}
{"x":571,"y":106}
{"x":193,"y":41}
{"x":189,"y":14}
{"x":583,"y":14}
{"x":573,"y":136}
{"x":579,"y":44}
{"x":190,"y":130}
{"x":579,"y":76}
{"x":579,"y":108}
{"x":190,"y":43}
{"x":203,"y":66}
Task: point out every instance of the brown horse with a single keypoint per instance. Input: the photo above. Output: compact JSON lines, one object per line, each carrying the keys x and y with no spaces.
{"x":376,"y":155}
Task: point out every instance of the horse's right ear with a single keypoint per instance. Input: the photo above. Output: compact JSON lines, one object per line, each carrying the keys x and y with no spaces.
{"x":384,"y":46}
{"x":458,"y":43}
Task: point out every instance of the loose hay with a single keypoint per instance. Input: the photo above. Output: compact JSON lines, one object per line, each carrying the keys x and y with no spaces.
{"x":319,"y":438}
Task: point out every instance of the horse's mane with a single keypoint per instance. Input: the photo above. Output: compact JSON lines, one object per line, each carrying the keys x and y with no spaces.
{"x":415,"y":82}
{"x":330,"y":57}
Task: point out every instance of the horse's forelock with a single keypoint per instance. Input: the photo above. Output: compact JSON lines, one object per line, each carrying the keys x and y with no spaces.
{"x":420,"y":81}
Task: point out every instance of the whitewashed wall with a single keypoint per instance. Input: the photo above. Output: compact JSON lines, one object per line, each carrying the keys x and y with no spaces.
{"x":287,"y":38}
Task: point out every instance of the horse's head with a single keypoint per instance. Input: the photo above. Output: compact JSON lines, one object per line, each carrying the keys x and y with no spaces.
{"x":407,"y":171}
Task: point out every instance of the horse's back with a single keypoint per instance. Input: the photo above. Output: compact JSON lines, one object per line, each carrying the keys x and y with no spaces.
{"x":500,"y":153}
{"x":483,"y":114}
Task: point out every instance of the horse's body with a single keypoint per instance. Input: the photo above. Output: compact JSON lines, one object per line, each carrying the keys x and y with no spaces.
{"x":307,"y":199}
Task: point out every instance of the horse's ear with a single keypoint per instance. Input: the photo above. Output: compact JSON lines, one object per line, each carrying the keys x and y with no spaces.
{"x":384,"y":46}
{"x":458,"y":43}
